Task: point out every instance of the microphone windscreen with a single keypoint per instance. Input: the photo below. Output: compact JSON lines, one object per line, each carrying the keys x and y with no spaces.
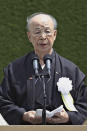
{"x":35,"y":57}
{"x":47,"y":57}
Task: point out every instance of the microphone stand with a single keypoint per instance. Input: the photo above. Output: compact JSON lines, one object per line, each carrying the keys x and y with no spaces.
{"x":44,"y":105}
{"x":43,"y":76}
{"x":47,"y":60}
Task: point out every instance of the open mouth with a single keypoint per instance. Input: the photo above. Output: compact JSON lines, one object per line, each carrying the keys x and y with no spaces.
{"x":43,"y":45}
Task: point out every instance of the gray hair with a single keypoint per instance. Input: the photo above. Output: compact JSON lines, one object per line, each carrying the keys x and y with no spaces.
{"x":38,"y":13}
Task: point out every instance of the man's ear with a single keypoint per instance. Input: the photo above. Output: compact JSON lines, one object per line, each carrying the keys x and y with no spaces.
{"x":55,"y":34}
{"x":29,"y":36}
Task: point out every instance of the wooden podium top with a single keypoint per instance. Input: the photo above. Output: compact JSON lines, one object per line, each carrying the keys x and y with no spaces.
{"x":44,"y":128}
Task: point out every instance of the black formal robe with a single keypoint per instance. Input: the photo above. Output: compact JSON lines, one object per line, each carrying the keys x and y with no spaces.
{"x":20,"y":91}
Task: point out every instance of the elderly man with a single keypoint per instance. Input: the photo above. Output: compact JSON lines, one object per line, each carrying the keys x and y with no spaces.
{"x":21,"y":93}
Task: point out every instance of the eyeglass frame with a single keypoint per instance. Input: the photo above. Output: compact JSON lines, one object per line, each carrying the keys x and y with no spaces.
{"x":40,"y":32}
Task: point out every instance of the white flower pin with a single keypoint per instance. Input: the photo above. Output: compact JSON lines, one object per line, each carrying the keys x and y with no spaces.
{"x":64,"y":85}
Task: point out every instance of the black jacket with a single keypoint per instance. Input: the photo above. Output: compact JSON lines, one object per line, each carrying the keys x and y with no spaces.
{"x":20,"y":91}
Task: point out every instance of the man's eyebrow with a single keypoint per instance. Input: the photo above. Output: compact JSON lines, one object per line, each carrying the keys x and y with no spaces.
{"x":46,"y":27}
{"x":37,"y":28}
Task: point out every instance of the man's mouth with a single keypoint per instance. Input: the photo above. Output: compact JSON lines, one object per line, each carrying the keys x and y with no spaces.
{"x":43,"y":44}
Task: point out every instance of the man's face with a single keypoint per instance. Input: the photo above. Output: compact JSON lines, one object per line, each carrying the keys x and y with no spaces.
{"x":42,"y":33}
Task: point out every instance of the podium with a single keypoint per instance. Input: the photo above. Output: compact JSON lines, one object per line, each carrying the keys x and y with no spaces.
{"x":44,"y":128}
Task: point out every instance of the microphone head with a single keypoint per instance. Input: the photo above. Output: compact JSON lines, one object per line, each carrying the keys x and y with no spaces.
{"x":48,"y":60}
{"x":35,"y":57}
{"x":47,"y":57}
{"x":35,"y":63}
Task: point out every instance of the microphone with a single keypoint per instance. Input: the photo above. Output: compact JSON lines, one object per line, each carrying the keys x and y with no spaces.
{"x":35,"y":62}
{"x":48,"y":60}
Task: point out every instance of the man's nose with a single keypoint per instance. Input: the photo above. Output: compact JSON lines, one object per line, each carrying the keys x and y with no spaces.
{"x":43,"y":35}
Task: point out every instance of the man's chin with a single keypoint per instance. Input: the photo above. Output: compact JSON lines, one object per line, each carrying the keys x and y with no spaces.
{"x":44,"y":50}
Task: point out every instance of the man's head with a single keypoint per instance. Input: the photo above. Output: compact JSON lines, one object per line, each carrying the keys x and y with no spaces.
{"x":41,"y":32}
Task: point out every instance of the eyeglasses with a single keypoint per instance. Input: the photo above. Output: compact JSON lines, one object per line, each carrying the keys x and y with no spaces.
{"x":47,"y":32}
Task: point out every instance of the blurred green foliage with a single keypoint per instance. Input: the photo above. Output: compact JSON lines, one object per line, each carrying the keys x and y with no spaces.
{"x":71,"y":39}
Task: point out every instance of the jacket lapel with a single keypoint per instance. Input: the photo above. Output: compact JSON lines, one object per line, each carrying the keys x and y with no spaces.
{"x":56,"y":96}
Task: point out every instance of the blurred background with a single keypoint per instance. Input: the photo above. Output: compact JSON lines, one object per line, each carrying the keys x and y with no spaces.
{"x":71,"y":39}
